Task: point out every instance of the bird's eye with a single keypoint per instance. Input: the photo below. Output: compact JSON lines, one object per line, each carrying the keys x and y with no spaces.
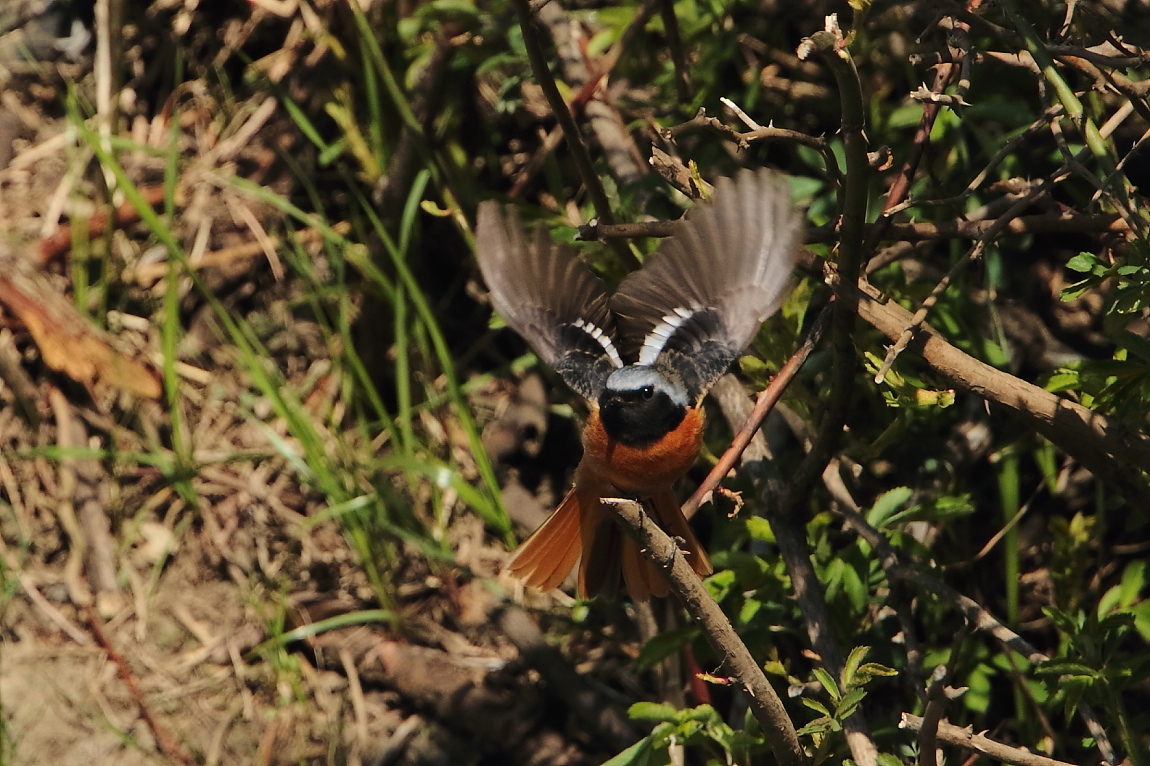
{"x":648,"y":391}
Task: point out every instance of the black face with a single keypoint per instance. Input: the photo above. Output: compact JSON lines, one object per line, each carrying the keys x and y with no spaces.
{"x":638,"y":417}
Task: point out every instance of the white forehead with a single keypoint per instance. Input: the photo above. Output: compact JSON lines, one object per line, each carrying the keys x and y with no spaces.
{"x":636,"y":376}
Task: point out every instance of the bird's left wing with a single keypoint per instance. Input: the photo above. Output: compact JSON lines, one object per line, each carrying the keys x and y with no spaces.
{"x":550,"y":297}
{"x":701,"y":296}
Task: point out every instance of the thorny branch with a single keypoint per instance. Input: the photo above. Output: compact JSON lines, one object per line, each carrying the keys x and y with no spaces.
{"x":737,"y":660}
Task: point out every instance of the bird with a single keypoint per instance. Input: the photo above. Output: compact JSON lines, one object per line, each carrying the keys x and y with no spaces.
{"x":643,"y":358}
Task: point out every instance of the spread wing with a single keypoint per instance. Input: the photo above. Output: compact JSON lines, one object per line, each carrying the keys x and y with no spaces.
{"x":701,"y":296}
{"x":547,"y":295}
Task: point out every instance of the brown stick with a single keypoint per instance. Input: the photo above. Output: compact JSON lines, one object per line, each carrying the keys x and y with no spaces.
{"x":957,"y":735}
{"x":56,"y":245}
{"x":580,"y":154}
{"x":736,"y":659}
{"x":1089,"y":223}
{"x":764,"y":403}
{"x":1099,"y":443}
{"x":164,"y":742}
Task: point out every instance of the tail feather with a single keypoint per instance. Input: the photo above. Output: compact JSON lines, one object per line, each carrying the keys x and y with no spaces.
{"x":665,"y":509}
{"x":603,"y":544}
{"x":639,"y":574}
{"x":580,"y":526}
{"x":546,"y":557}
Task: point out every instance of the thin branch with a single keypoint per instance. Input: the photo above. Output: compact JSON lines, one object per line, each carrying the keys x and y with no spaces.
{"x":764,"y":403}
{"x":1102,"y":445}
{"x":1059,"y":222}
{"x":979,"y":743}
{"x":700,"y":122}
{"x":900,"y":188}
{"x":675,"y":46}
{"x":1089,"y":223}
{"x":831,"y":45}
{"x":997,"y":225}
{"x":580,"y":155}
{"x":899,"y":596}
{"x":736,"y":659}
{"x":164,"y":741}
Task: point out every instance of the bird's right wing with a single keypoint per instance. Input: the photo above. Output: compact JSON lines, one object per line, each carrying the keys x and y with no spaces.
{"x":550,"y":297}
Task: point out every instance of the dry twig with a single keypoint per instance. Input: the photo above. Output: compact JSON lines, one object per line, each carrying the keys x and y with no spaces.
{"x":768,"y":709}
{"x":956,"y":735}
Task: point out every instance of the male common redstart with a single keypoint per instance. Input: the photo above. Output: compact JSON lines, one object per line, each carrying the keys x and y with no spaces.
{"x":643,"y":358}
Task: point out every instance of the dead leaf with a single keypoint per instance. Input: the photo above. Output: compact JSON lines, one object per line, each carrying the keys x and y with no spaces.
{"x":68,"y":343}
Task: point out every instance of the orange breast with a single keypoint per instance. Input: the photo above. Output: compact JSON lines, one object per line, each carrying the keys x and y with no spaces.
{"x":643,"y":470}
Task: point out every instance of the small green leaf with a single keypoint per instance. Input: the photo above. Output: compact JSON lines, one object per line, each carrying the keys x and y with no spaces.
{"x":638,"y":754}
{"x":849,"y":702}
{"x":651,"y":711}
{"x":819,"y":726}
{"x":665,"y":644}
{"x":815,"y":705}
{"x":1083,"y":263}
{"x":1074,"y":291}
{"x":759,"y":529}
{"x":828,"y":683}
{"x":871,"y":670}
{"x":886,"y":504}
{"x":851,"y":666}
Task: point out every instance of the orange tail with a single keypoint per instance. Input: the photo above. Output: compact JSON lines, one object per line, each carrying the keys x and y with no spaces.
{"x":610,"y":552}
{"x":579,"y":525}
{"x":665,"y":509}
{"x":548,"y":555}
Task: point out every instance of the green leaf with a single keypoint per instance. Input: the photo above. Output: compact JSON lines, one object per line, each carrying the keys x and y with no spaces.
{"x":872,"y":670}
{"x":828,"y":682}
{"x":886,"y":504}
{"x":651,"y":711}
{"x":815,"y":705}
{"x":638,"y":754}
{"x":849,"y":702}
{"x":851,"y":666}
{"x":759,"y":529}
{"x":819,"y":726}
{"x":749,"y":609}
{"x":1083,"y":263}
{"x":665,"y":644}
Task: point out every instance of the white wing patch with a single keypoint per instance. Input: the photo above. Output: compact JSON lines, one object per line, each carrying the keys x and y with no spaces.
{"x":602,"y":339}
{"x":657,"y":339}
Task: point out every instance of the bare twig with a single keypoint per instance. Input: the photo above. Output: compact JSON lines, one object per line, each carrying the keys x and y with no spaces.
{"x":51,"y":612}
{"x":702,"y":121}
{"x":675,"y":45}
{"x":579,"y":152}
{"x":736,"y":659}
{"x":956,"y":735}
{"x":164,"y":742}
{"x":764,"y":402}
{"x":998,"y":225}
{"x":1097,"y":442}
{"x":900,"y":188}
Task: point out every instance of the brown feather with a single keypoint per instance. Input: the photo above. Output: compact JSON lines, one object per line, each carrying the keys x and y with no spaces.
{"x":733,"y":255}
{"x":640,"y":577}
{"x":665,"y":509}
{"x":542,"y":290}
{"x":603,"y":544}
{"x":546,"y":557}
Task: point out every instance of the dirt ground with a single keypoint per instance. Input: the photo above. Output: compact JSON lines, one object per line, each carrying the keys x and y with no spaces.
{"x":147,"y":608}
